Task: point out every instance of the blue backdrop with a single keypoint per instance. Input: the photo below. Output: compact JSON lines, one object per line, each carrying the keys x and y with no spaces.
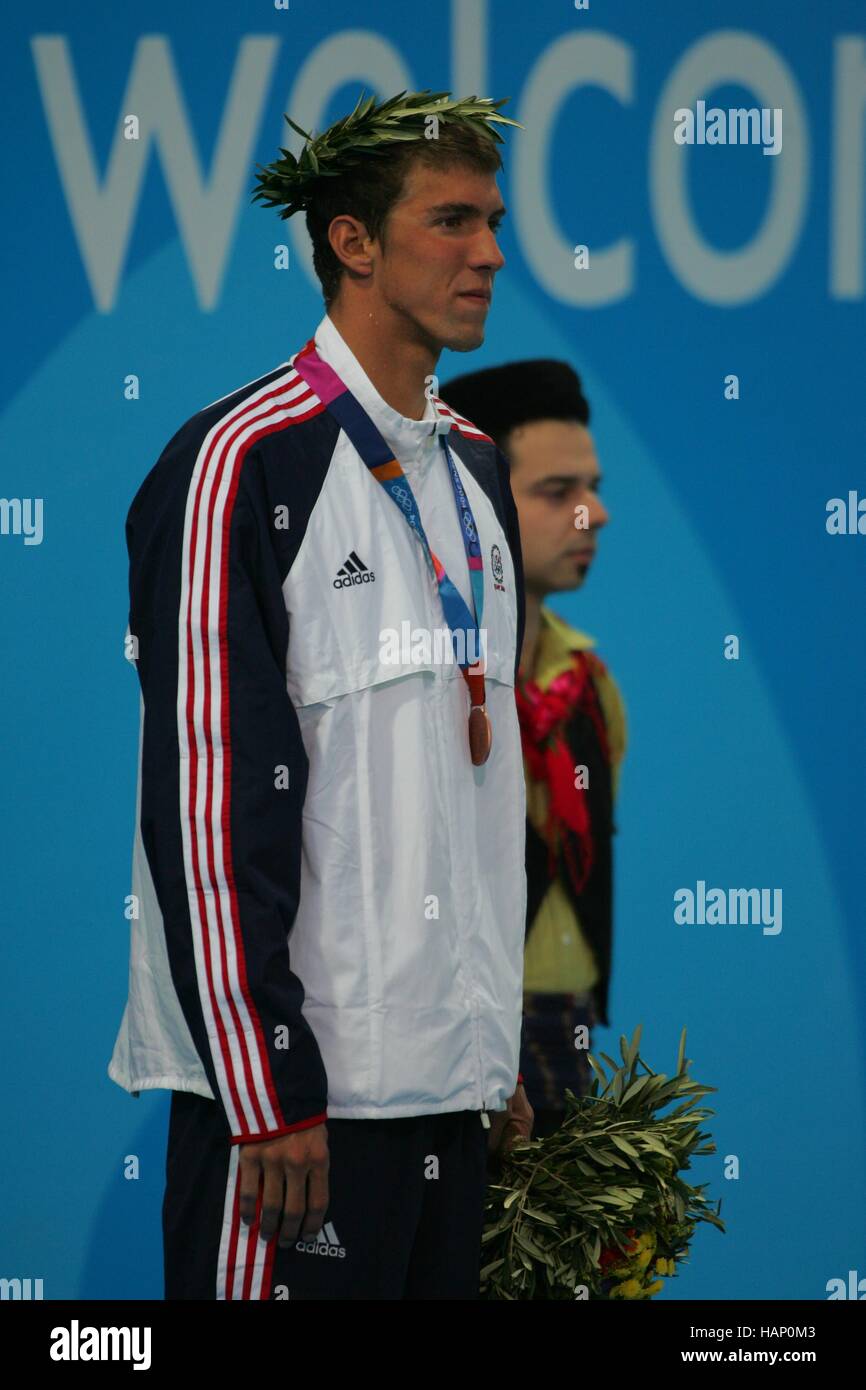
{"x":143,"y":258}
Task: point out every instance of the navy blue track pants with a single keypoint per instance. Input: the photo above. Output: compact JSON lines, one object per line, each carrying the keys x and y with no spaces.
{"x":404,"y":1220}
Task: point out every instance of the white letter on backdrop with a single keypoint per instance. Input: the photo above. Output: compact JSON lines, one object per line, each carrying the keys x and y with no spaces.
{"x":577,"y":60}
{"x":729,"y":277}
{"x":103,"y":215}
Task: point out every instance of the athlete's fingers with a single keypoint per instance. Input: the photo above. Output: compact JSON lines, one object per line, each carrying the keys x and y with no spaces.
{"x":294,"y":1206}
{"x":250,"y":1180}
{"x":272,"y":1199}
{"x":318,"y":1197}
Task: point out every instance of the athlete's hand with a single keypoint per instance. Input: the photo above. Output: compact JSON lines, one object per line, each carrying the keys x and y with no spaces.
{"x":513,"y":1123}
{"x":295,"y":1171}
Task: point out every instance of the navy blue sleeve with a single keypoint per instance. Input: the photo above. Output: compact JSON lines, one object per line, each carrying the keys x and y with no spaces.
{"x":224,"y":775}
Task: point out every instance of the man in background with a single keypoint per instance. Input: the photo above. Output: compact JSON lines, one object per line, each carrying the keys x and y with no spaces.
{"x":572,"y":719}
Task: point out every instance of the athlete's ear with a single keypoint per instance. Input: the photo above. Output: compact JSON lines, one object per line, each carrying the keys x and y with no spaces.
{"x":352,"y":244}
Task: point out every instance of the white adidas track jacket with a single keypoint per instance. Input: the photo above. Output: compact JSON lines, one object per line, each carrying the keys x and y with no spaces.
{"x":331,"y":898}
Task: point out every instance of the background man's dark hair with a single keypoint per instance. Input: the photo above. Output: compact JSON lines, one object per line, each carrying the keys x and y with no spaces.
{"x":498,"y":399}
{"x":370,"y":191}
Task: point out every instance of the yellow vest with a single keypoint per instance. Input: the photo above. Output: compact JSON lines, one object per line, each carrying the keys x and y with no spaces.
{"x":558,"y":959}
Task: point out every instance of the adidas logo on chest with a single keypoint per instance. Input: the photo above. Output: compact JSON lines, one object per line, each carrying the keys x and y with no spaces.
{"x":354,"y":571}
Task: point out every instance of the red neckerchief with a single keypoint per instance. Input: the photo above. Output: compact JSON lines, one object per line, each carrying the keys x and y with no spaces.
{"x":543,"y":715}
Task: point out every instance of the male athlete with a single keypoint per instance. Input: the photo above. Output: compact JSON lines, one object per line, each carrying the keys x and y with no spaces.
{"x":326,"y":970}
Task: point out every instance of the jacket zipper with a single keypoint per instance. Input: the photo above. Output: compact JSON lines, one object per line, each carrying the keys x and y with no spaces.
{"x":473,"y":1000}
{"x":485,"y":1118}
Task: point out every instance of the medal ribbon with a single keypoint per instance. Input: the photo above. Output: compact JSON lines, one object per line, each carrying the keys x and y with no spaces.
{"x":335,"y":395}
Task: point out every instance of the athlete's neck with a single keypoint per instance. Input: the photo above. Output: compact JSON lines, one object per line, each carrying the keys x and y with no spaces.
{"x":396,"y":361}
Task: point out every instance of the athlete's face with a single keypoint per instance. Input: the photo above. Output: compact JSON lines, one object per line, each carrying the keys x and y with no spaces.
{"x":554,"y":475}
{"x":440,"y":255}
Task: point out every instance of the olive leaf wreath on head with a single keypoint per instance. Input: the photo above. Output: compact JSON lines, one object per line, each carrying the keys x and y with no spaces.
{"x":290,"y":183}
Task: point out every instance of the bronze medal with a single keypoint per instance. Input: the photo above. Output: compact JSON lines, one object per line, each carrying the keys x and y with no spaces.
{"x":480,"y":735}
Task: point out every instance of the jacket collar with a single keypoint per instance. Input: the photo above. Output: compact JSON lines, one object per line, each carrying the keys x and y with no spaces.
{"x":411,"y":440}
